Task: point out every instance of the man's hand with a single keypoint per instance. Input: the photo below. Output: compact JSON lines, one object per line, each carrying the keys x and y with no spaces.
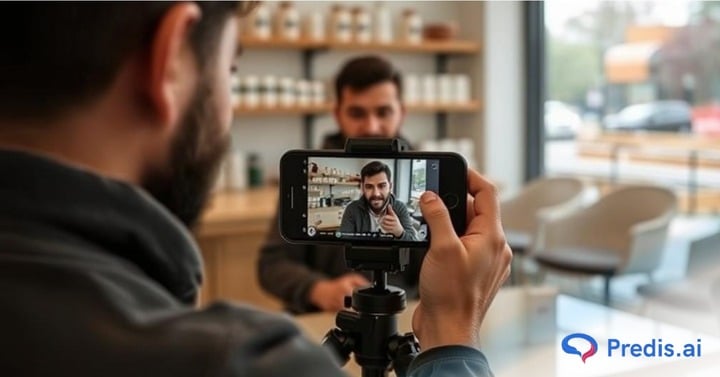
{"x":329,"y":295}
{"x":460,"y":276}
{"x":391,"y":224}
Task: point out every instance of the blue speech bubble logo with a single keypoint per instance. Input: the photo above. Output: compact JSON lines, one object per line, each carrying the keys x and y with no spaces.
{"x":574,"y":351}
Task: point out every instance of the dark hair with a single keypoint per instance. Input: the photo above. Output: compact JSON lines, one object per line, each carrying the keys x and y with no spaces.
{"x":365,"y":71}
{"x":375,"y":167}
{"x":60,"y":55}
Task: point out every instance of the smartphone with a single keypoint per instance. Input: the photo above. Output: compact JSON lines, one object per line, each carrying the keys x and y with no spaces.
{"x":367,"y":199}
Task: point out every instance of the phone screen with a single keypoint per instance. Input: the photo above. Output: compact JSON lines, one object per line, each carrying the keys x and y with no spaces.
{"x":350,"y":198}
{"x":367,"y":199}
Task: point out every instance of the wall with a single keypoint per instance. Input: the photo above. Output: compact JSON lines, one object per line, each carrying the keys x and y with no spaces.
{"x":503,"y":135}
{"x":271,"y":136}
{"x":496,"y":72}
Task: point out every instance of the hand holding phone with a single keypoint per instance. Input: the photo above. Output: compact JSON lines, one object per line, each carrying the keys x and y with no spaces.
{"x":460,"y":275}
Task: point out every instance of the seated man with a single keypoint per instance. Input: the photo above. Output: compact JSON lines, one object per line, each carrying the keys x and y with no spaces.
{"x":377,"y":210}
{"x":368,"y":93}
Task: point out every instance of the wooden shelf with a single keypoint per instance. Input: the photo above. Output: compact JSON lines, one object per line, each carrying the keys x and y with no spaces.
{"x":280,"y":110}
{"x":470,"y":107}
{"x":355,"y":184}
{"x":277,"y":43}
{"x":428,"y":46}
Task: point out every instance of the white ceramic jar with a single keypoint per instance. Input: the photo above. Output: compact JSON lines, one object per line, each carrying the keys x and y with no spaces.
{"x":411,"y":27}
{"x":251,"y":94}
{"x":382,"y":24}
{"x":287,"y":22}
{"x":362,"y":28}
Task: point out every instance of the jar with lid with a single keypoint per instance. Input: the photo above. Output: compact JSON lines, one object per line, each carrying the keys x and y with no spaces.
{"x":255,"y":173}
{"x":340,"y":25}
{"x":258,"y":25}
{"x":251,"y":92}
{"x":269,"y":90}
{"x":287,"y":21}
{"x":314,"y":26}
{"x":361,"y":21}
{"x":287,"y":92}
{"x":411,"y":27}
{"x":382,"y":24}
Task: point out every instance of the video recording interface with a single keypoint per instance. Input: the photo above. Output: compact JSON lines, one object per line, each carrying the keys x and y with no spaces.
{"x":368,"y":199}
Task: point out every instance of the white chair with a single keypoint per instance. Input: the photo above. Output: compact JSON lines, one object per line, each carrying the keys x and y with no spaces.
{"x":540,"y":200}
{"x":622,"y":233}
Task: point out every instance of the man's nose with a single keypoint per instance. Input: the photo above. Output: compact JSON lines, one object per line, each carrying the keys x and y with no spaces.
{"x":372,"y":126}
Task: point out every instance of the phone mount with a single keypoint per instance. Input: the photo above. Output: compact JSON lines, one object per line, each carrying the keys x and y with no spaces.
{"x":369,"y":331}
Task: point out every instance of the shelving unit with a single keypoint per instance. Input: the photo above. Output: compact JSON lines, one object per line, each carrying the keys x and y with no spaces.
{"x":441,"y":50}
{"x":328,"y":108}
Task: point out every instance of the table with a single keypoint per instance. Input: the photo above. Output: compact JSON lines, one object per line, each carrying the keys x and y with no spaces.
{"x":230,"y":234}
{"x":523,"y":332}
{"x":691,"y":145}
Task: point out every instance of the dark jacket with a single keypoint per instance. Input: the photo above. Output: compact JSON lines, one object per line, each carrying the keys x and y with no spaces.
{"x":97,"y":279}
{"x":356,"y":218}
{"x":287,"y":271}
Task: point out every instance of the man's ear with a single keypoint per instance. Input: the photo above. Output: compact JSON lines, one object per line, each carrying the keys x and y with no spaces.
{"x":172,"y":69}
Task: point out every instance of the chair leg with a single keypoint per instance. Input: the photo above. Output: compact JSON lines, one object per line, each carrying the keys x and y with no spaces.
{"x":606,"y":298}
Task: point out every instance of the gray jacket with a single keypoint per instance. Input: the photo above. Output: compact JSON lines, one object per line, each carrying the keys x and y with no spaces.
{"x":287,"y":271}
{"x":356,"y":218}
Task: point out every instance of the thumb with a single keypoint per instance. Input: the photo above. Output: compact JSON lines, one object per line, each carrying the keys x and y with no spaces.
{"x":438,"y":219}
{"x":358,"y":280}
{"x":390,"y":209}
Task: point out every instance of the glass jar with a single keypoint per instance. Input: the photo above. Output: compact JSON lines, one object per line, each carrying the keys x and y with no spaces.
{"x":340,"y":25}
{"x":287,"y":22}
{"x":411,"y":27}
{"x":258,"y":24}
{"x":362,"y":29}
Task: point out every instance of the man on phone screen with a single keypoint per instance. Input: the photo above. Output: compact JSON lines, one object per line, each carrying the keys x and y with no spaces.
{"x":377,"y":211}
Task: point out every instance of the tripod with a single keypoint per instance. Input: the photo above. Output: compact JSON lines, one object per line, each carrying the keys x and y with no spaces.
{"x":370,"y":332}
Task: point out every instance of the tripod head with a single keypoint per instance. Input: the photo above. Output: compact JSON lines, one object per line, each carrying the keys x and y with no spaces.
{"x":370,"y":331}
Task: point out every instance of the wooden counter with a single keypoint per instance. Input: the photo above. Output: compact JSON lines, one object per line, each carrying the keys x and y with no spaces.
{"x":230,"y":234}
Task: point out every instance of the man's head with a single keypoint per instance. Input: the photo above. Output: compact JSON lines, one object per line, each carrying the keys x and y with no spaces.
{"x":138,"y":91}
{"x":368,"y":91}
{"x":375,"y":179}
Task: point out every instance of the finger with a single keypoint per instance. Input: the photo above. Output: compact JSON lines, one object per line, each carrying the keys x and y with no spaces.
{"x":438,"y":219}
{"x":358,"y":280}
{"x":391,"y":211}
{"x":486,"y":205}
{"x":470,"y":210}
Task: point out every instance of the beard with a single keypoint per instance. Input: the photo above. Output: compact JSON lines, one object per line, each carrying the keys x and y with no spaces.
{"x":196,"y":153}
{"x":377,"y":203}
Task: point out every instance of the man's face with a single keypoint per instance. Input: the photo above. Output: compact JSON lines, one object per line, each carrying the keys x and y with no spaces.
{"x":202,"y":138}
{"x":376,"y":190}
{"x":373,"y":112}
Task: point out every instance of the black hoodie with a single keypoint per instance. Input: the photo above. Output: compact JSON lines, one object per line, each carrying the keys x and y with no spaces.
{"x":97,"y":279}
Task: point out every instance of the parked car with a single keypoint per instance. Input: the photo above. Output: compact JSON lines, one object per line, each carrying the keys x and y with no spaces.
{"x":666,"y":115}
{"x":561,"y":122}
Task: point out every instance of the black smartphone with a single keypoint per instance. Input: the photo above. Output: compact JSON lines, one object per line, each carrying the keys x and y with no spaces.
{"x":367,"y":199}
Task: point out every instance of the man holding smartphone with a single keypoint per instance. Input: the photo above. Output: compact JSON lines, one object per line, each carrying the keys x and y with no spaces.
{"x":377,"y":210}
{"x":307,"y":278}
{"x":106,"y":166}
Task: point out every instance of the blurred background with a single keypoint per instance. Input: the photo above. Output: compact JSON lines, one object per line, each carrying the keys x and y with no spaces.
{"x":599,"y":121}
